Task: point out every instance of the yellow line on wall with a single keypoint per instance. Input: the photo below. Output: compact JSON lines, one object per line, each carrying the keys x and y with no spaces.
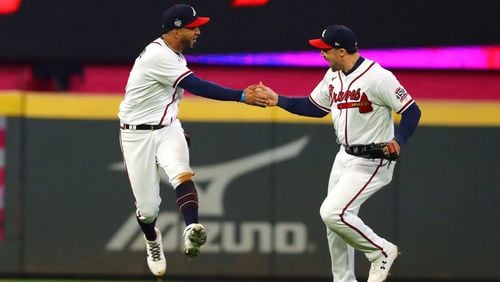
{"x":11,"y":103}
{"x":198,"y":109}
{"x":105,"y":107}
{"x":463,"y":113}
{"x":60,"y":106}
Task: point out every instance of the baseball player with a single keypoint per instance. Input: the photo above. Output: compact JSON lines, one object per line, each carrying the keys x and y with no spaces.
{"x":152,"y":137}
{"x":361,"y":95}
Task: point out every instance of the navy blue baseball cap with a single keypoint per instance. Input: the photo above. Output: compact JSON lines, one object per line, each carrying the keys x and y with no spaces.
{"x":336,"y":36}
{"x":181,"y":15}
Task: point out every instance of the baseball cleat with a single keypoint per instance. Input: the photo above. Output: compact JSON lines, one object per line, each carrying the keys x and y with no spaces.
{"x":157,"y":262}
{"x":380,"y":267}
{"x":195,"y":236}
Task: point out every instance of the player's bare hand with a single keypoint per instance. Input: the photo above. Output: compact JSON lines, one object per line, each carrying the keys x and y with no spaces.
{"x":255,"y":97}
{"x":271,"y":95}
{"x":392,"y":147}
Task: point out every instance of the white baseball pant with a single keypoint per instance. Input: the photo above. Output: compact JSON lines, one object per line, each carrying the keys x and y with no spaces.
{"x":144,"y":153}
{"x":352,"y":181}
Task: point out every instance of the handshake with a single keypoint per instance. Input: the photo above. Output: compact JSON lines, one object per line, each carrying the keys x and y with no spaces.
{"x":259,"y":95}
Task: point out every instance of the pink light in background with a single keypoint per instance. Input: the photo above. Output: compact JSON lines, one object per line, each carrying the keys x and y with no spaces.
{"x":438,"y":58}
{"x":460,"y":58}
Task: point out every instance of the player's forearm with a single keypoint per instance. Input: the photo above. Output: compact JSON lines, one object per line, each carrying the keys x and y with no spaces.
{"x":408,"y":124}
{"x":300,"y":106}
{"x":208,"y":89}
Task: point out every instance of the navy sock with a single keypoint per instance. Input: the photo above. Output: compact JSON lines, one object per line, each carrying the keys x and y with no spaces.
{"x":187,"y":201}
{"x":148,"y":229}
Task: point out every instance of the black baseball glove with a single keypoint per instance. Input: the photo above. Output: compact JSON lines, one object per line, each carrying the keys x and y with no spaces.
{"x":385,"y":151}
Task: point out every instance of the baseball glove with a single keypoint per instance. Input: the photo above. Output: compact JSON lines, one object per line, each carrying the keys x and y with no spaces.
{"x":385,"y":151}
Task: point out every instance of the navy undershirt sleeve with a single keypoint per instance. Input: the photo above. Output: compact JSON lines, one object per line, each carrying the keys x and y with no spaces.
{"x":408,"y":124}
{"x":209,"y":89}
{"x":300,"y":106}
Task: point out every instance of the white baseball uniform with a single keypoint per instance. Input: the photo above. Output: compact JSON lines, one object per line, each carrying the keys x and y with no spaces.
{"x":152,"y":98}
{"x":361,"y":104}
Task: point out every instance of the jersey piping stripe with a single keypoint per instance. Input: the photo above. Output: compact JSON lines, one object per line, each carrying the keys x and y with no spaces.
{"x":342,"y":89}
{"x":181,"y":77}
{"x":166,"y":108}
{"x":345,"y":128}
{"x":405,"y":107}
{"x":341,"y":82}
{"x":156,"y":43}
{"x":347,"y":109}
{"x":352,"y":200}
{"x":318,"y":105}
{"x":369,"y":67}
{"x":175,"y":92}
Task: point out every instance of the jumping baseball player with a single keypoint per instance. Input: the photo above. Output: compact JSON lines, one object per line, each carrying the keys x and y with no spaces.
{"x":152,"y":137}
{"x":361,"y":96}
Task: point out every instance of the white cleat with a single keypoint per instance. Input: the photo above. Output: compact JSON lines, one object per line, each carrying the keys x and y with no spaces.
{"x":157,"y":262}
{"x":195,"y":236}
{"x":380,"y":268}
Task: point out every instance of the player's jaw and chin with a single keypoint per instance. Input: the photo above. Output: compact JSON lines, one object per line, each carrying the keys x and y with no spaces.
{"x":188,"y":44}
{"x":335,"y":65}
{"x":188,"y":41}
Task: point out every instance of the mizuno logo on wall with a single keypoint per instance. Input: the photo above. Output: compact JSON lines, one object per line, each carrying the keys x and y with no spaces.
{"x":213,"y":182}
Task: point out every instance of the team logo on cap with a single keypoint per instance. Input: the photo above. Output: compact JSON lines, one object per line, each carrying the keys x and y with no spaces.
{"x":194,"y":12}
{"x":177,"y":23}
{"x":323,"y":33}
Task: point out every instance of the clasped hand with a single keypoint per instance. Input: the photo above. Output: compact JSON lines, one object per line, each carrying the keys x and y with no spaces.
{"x":260,"y":95}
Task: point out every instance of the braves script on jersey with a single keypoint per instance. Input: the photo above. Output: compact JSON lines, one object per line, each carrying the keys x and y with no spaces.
{"x":361,"y":103}
{"x":152,"y":95}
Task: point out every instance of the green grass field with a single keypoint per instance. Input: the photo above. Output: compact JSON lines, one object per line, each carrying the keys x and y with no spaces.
{"x":72,"y":280}
{"x":81,"y":280}
{"x":125,"y":280}
{"x":168,"y":279}
{"x":153,"y":279}
{"x":69,"y":280}
{"x":87,"y":280}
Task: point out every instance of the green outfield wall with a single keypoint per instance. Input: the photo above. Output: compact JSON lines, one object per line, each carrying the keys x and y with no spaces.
{"x":69,"y":209}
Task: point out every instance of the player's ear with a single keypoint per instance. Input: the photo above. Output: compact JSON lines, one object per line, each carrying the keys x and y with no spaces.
{"x":175,"y":32}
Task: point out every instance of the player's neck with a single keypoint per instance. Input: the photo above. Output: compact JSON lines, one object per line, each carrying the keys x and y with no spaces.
{"x":350,"y":61}
{"x":172,"y":44}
